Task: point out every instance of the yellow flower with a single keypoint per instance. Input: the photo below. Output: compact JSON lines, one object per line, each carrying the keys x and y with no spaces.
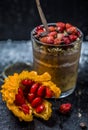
{"x":10,"y":89}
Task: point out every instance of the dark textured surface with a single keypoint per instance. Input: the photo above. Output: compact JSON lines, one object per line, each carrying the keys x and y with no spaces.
{"x":18,"y":17}
{"x":11,"y":52}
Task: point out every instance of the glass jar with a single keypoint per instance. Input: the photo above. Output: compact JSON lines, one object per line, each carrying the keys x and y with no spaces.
{"x":60,"y":61}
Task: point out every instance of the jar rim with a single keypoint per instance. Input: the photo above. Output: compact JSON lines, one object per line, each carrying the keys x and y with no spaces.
{"x":42,"y":43}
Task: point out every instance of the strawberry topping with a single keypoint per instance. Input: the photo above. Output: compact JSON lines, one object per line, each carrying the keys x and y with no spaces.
{"x":59,"y":34}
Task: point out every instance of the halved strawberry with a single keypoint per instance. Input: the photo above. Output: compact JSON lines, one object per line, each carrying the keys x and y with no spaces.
{"x":40,"y":108}
{"x":36,"y":102}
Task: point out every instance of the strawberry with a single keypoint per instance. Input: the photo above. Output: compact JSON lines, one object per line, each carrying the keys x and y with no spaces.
{"x":60,"y":29}
{"x":66,"y":40}
{"x":68,"y":25}
{"x":72,"y":30}
{"x":34,"y":88}
{"x":39,"y":32}
{"x":54,"y":34}
{"x":25,"y":108}
{"x":50,"y":40}
{"x":40,"y":108}
{"x":36,"y":102}
{"x":78,"y":33}
{"x":30,"y":97}
{"x":60,"y":26}
{"x":65,"y":108}
{"x":47,"y":39}
{"x":49,"y":93}
{"x":51,"y":28}
{"x":27,"y":82}
{"x":43,"y":39}
{"x":19,"y":100}
{"x":57,"y":41}
{"x":72,"y":37}
{"x":39,"y":28}
{"x":41,"y":91}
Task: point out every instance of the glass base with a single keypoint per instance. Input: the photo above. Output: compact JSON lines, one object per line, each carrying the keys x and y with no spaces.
{"x":67,"y":93}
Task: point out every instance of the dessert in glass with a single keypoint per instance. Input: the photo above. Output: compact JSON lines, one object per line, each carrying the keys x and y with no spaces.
{"x":57,"y":52}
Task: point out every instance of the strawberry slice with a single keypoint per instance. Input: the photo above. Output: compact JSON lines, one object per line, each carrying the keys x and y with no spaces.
{"x":40,"y":108}
{"x":41,"y":91}
{"x":19,"y":100}
{"x":36,"y":102}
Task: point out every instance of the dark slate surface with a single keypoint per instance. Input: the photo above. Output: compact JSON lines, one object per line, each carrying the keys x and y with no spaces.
{"x":13,"y":51}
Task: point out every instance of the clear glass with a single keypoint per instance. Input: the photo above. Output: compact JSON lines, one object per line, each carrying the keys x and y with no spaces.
{"x":60,"y":61}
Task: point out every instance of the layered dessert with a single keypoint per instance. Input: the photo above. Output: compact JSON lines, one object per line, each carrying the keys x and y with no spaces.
{"x":57,"y":52}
